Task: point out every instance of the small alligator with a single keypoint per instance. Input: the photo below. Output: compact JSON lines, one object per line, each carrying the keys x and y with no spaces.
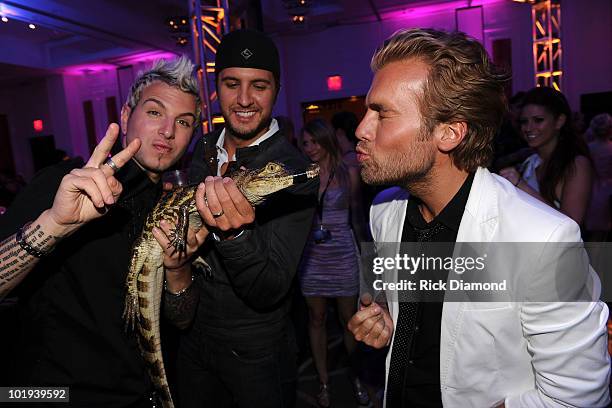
{"x":145,"y":279}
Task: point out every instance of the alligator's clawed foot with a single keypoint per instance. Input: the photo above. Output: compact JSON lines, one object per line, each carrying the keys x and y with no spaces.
{"x":129,"y":312}
{"x":177,"y":242}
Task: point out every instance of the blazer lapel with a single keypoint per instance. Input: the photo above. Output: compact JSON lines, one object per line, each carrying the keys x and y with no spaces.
{"x":478,"y":224}
{"x":392,"y":223}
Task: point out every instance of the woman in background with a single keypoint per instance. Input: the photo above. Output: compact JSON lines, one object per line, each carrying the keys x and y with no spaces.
{"x":345,"y":124}
{"x":330,"y":264}
{"x":560,"y":172}
{"x":598,"y":221}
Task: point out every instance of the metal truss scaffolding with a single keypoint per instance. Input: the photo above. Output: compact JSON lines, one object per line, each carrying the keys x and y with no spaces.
{"x":547,"y":51}
{"x":208,"y":24}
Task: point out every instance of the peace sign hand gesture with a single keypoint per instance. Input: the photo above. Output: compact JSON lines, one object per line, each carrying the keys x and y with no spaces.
{"x":85,"y":194}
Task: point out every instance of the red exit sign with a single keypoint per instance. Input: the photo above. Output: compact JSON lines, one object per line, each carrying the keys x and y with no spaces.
{"x":38,"y":125}
{"x":334,"y":83}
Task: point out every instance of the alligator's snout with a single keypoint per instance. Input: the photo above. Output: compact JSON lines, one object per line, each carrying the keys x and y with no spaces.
{"x":256,"y":184}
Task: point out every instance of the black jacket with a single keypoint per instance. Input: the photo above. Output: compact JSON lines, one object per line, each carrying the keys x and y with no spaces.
{"x":245,"y":297}
{"x":71,"y":330}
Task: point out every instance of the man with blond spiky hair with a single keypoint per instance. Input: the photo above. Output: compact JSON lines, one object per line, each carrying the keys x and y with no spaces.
{"x":67,"y":240}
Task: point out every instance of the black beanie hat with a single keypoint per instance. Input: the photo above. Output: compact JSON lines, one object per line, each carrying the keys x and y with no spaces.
{"x":247,"y":49}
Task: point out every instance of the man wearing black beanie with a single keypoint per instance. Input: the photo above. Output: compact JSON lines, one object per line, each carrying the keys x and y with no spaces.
{"x":233,"y":351}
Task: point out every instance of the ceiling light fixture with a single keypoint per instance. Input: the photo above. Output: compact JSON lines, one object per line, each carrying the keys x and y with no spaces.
{"x":297,"y":10}
{"x":32,"y":26}
{"x":180,"y":29}
{"x":4,"y":19}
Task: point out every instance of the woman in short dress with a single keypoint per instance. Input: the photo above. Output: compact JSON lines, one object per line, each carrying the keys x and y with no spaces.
{"x":330,"y":264}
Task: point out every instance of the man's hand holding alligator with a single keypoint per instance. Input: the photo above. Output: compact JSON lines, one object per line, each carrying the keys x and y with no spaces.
{"x":222,"y":206}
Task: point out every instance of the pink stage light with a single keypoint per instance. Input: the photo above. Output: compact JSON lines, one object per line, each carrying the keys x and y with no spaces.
{"x":424,"y":10}
{"x":88,"y":68}
{"x":145,"y":57}
{"x":113,"y":64}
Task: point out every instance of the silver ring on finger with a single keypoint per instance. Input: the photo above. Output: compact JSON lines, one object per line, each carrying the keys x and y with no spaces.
{"x":110,"y":163}
{"x":217,"y":215}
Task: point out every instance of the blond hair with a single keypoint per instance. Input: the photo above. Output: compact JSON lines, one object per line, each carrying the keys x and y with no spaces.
{"x":462,"y":86}
{"x":178,"y":73}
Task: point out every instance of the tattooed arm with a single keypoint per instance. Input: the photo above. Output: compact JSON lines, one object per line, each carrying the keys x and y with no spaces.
{"x":16,"y":261}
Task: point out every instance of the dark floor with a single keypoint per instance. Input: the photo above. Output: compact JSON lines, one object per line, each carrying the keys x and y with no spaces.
{"x":342,"y":394}
{"x":341,"y":388}
{"x":340,"y":385}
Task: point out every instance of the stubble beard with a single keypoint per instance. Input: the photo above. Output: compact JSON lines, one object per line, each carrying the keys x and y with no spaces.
{"x":400,"y":169}
{"x":248,"y":135}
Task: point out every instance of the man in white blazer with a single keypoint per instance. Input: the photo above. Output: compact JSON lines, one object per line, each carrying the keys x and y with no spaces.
{"x":433,"y":109}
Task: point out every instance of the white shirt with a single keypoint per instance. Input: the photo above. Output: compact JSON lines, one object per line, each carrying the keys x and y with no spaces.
{"x":528,"y":173}
{"x":223,"y":157}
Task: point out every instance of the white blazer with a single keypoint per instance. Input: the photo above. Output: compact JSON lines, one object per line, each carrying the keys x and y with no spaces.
{"x":525,"y":354}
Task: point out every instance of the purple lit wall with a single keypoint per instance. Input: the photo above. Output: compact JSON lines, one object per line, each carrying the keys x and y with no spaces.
{"x":96,"y":82}
{"x":587,"y":45}
{"x":22,"y":103}
{"x":58,"y":101}
{"x":58,"y":108}
{"x":470,"y":20}
{"x":346,"y":50}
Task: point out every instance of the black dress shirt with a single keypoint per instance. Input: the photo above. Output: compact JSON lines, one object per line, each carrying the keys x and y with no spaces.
{"x":422,"y":373}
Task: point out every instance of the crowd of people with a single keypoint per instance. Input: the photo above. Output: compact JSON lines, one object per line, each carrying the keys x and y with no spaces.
{"x":435,"y":132}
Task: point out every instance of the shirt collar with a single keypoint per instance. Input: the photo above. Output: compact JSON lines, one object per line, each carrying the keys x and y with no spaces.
{"x":272,"y":130}
{"x":450,"y":216}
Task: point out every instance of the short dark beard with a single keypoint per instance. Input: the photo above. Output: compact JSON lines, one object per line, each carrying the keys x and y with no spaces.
{"x":249,"y":135}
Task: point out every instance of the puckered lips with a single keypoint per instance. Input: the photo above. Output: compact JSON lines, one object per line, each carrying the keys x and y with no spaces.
{"x":362,"y":154}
